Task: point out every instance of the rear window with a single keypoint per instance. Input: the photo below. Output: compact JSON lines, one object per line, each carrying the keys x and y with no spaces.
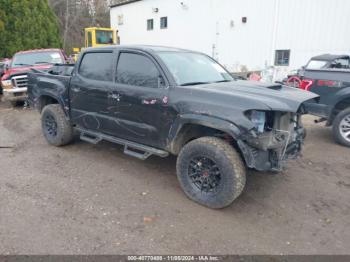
{"x":97,"y":66}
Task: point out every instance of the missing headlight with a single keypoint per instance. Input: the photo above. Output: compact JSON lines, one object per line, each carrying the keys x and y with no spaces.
{"x":263,"y":120}
{"x":259,"y":119}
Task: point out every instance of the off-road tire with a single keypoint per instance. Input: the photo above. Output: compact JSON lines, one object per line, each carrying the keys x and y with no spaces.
{"x":64,"y":133}
{"x":229,"y":162}
{"x":14,"y":103}
{"x":337,"y":127}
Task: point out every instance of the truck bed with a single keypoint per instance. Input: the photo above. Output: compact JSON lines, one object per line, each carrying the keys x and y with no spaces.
{"x":53,"y":83}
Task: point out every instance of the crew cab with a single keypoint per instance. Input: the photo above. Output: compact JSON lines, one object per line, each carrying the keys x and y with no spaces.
{"x":14,"y":80}
{"x":333,"y":87}
{"x":161,"y":101}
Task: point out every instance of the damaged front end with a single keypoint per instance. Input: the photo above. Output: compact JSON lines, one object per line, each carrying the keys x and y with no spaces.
{"x":276,"y":137}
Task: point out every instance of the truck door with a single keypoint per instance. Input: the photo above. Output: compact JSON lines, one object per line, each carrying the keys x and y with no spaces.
{"x":91,"y":90}
{"x":143,"y":112}
{"x":326,"y":83}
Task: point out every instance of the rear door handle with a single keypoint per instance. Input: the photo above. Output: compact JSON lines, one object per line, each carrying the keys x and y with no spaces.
{"x":76,"y":89}
{"x":114,"y":96}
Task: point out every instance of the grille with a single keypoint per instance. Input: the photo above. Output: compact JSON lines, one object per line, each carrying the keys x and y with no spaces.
{"x":20,"y":81}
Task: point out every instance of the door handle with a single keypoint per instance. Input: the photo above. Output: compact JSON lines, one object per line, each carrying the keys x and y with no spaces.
{"x":114,"y":96}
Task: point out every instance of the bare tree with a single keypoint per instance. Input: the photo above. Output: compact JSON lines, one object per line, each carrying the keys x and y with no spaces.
{"x":75,"y":15}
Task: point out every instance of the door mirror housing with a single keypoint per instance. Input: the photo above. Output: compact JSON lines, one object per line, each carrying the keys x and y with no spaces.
{"x":161,"y":81}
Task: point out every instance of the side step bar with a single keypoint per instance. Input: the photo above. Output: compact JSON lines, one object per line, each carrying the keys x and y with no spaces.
{"x":130,"y":148}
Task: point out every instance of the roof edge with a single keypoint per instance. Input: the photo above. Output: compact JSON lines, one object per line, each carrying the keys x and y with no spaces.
{"x":124,"y":3}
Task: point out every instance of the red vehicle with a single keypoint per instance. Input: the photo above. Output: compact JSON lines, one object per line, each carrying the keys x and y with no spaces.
{"x":14,"y":80}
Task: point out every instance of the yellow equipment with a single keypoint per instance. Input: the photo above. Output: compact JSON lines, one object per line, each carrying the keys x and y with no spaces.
{"x":97,"y":36}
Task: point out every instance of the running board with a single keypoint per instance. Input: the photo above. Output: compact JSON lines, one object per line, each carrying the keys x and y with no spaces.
{"x":130,"y":148}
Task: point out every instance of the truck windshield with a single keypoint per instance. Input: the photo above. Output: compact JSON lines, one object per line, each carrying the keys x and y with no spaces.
{"x":316,"y":64}
{"x":30,"y":59}
{"x":194,"y":68}
{"x":104,"y":37}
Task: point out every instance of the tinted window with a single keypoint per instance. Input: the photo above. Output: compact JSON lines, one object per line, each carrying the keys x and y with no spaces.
{"x":137,"y":70}
{"x":97,"y":66}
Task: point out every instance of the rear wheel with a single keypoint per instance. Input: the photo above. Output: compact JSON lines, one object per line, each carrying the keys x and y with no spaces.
{"x":341,"y":128}
{"x":56,"y":128}
{"x":211,"y":172}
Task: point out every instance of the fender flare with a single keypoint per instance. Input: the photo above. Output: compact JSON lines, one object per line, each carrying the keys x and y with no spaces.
{"x":200,"y":120}
{"x":57,"y":98}
{"x":339,"y":99}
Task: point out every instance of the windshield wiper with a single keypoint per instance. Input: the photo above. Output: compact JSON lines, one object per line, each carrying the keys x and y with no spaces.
{"x":194,"y":83}
{"x":43,"y":63}
{"x":222,"y":81}
{"x":21,"y":64}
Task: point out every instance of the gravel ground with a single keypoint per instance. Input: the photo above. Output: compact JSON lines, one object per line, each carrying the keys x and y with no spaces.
{"x":92,"y":199}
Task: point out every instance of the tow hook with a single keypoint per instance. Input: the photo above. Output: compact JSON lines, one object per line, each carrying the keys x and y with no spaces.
{"x":320,"y":120}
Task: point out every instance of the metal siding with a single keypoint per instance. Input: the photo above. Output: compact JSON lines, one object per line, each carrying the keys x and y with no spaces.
{"x":307,"y":27}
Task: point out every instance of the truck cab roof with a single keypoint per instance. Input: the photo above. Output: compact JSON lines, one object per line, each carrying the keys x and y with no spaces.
{"x":329,"y":57}
{"x":140,"y":48}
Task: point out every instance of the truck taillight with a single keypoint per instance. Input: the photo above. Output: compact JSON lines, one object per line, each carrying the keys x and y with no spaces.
{"x":306,"y":84}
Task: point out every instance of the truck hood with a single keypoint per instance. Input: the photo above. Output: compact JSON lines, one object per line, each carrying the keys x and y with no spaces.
{"x":262,"y":95}
{"x":24,"y":70}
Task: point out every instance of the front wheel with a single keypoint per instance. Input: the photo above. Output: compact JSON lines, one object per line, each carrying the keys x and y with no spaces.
{"x":56,"y":128}
{"x":341,"y":128}
{"x":211,"y":172}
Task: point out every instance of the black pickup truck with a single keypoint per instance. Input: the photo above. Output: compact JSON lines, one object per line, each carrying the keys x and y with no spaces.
{"x":161,"y":101}
{"x":333,"y":87}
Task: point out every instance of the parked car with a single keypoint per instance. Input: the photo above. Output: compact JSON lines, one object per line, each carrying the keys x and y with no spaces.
{"x":333,"y":87}
{"x":14,"y":80}
{"x":326,"y":61}
{"x":161,"y":101}
{"x":4,"y":64}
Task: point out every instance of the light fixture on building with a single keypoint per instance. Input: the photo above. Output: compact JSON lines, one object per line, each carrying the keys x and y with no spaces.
{"x":244,"y":19}
{"x":232,"y":24}
{"x":184,"y":5}
{"x":155,"y":9}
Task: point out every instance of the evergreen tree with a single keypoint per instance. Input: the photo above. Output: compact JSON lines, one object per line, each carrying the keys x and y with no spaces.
{"x":27,"y":24}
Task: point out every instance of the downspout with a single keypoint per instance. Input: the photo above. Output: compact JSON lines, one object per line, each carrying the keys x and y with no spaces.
{"x":275,"y":28}
{"x":274,"y":37}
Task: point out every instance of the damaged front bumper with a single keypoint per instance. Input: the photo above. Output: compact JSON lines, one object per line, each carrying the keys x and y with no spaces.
{"x":270,"y":150}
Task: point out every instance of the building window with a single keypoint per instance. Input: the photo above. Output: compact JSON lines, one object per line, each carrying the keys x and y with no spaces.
{"x":163,"y":22}
{"x":150,"y":24}
{"x":120,"y":19}
{"x":282,"y":57}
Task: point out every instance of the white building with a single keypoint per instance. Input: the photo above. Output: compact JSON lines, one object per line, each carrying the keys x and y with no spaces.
{"x":241,"y":34}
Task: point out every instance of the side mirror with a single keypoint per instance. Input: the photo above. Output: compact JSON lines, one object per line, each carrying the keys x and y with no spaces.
{"x":161,"y":82}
